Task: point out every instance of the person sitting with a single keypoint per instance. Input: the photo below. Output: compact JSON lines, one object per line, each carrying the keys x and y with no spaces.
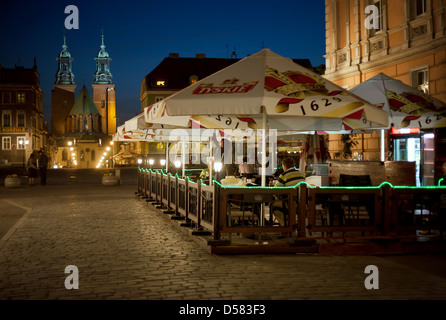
{"x":230,"y":179}
{"x":290,"y":177}
{"x":246,"y":168}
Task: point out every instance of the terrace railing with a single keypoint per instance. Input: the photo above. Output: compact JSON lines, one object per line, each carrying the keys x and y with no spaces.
{"x":303,"y":210}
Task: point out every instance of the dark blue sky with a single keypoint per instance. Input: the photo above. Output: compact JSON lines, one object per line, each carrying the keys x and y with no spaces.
{"x":140,"y":34}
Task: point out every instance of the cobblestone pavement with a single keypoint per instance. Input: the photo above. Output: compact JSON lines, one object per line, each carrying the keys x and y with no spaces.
{"x":125,"y":250}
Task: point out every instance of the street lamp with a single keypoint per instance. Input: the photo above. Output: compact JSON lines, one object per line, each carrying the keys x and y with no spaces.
{"x":21,"y":142}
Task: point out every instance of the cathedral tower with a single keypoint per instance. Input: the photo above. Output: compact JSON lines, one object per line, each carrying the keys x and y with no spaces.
{"x":62,"y":96}
{"x":104,"y":92}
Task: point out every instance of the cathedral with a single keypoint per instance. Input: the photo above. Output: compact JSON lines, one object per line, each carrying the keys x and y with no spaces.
{"x":82,"y":126}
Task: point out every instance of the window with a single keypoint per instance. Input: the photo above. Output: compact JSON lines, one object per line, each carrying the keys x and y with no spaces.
{"x":6,"y":97}
{"x":64,"y":155}
{"x":20,"y":119}
{"x":21,"y":143}
{"x":6,"y":118}
{"x":64,"y":67}
{"x":6,"y":143}
{"x":157,"y":99}
{"x":193,"y":79}
{"x":420,"y":79}
{"x":93,"y":155}
{"x":20,"y":97}
{"x":65,"y":104}
{"x":419,"y":7}
{"x":373,"y":31}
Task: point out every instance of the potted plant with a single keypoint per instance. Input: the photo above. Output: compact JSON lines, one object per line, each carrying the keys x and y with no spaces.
{"x":348,"y":144}
{"x":12,"y":181}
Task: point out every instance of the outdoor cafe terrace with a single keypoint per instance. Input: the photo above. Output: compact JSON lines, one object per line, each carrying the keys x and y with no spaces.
{"x":354,"y":217}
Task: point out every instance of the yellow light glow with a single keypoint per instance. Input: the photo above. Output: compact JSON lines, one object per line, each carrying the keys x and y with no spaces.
{"x":161,"y":83}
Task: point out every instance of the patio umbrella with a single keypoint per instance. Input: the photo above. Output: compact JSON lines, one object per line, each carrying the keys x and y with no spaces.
{"x":271,"y":92}
{"x":407,"y":107}
{"x":293,"y":98}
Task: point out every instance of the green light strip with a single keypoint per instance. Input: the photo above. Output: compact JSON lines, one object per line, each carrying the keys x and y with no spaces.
{"x":439,"y":186}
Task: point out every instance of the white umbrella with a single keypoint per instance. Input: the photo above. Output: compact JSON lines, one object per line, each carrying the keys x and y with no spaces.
{"x":273,"y":92}
{"x":407,"y":107}
{"x":294,"y":98}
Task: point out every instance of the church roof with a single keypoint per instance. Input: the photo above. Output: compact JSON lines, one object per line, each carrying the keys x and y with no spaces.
{"x":64,"y":53}
{"x":84,"y":103}
{"x":102,"y":53}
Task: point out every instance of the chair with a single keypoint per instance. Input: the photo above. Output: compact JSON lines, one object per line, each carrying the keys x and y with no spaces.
{"x":356,"y":208}
{"x":239,"y":211}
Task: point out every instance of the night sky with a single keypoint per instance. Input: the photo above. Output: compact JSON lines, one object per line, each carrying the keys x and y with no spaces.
{"x":140,"y":34}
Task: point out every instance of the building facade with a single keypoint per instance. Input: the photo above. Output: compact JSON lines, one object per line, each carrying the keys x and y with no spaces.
{"x":82,"y":126}
{"x":21,"y":108}
{"x":404,"y":39}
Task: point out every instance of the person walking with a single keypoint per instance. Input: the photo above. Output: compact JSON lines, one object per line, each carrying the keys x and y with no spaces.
{"x":32,"y":169}
{"x":43,"y":166}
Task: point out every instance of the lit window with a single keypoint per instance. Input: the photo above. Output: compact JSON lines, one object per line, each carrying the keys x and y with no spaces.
{"x":193,"y":79}
{"x":6,"y":143}
{"x":21,"y":143}
{"x":420,"y":79}
{"x":161,"y":83}
{"x":20,"y":97}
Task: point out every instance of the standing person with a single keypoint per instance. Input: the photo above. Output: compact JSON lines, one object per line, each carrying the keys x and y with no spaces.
{"x":219,"y":156}
{"x":43,"y":165}
{"x":32,"y":169}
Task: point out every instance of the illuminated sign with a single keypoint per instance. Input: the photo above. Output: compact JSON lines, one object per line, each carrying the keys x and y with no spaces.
{"x":161,"y":83}
{"x":405,"y":131}
{"x":228,"y":86}
{"x":13,"y":129}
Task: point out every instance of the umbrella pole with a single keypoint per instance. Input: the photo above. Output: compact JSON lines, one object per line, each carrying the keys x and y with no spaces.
{"x":264,"y":147}
{"x":184,"y":158}
{"x":383,"y":158}
{"x":210,"y":162}
{"x":167,"y":156}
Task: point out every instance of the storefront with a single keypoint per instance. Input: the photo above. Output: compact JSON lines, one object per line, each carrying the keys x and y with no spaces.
{"x":415,"y":145}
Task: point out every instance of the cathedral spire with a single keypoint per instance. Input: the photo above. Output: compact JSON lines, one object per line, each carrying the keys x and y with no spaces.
{"x":102,"y":74}
{"x":64,"y":74}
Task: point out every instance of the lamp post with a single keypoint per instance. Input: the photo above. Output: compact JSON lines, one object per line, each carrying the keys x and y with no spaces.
{"x":21,"y":142}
